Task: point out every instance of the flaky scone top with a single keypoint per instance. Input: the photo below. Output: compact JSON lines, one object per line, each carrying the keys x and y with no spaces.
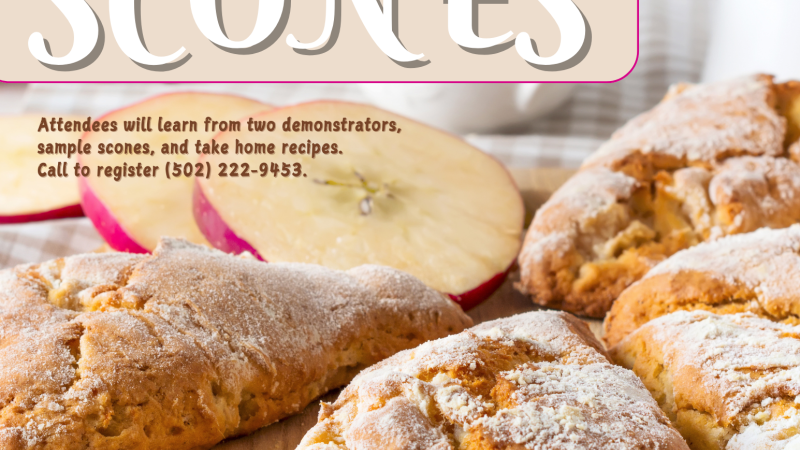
{"x":709,"y":161}
{"x":726,"y":381}
{"x":533,"y":381}
{"x":188,"y":346}
{"x":700,"y":125}
{"x":756,"y":272}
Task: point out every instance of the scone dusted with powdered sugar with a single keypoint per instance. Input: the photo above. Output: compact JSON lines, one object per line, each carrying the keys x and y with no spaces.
{"x":726,"y":381}
{"x":535,"y":381}
{"x":756,"y":272}
{"x":188,"y":346}
{"x":708,"y":161}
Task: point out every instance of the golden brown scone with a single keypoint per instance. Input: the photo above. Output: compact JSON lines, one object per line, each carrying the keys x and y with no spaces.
{"x":756,"y":272}
{"x":726,"y":381}
{"x":537,"y":381}
{"x":189,"y":346}
{"x":709,"y":161}
{"x":789,"y":106}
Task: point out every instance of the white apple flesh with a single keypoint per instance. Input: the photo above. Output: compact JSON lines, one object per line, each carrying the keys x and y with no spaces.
{"x":25,"y":195}
{"x":132,"y":214}
{"x":419,"y":200}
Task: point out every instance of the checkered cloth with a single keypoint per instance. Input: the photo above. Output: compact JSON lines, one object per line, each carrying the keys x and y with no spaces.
{"x":37,"y":242}
{"x":672,"y":47}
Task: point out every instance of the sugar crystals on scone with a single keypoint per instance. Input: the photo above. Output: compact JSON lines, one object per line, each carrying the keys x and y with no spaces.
{"x":726,"y":381}
{"x":188,"y":346}
{"x":756,"y":272}
{"x":708,"y":161}
{"x":537,"y":381}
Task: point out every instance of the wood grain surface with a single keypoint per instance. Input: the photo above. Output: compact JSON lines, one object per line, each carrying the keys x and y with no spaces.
{"x":536,"y":186}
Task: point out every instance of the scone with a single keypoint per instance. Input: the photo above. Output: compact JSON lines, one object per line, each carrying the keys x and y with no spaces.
{"x":708,"y":161}
{"x":189,"y":346}
{"x":757,"y":272}
{"x":726,"y":381}
{"x":534,"y":381}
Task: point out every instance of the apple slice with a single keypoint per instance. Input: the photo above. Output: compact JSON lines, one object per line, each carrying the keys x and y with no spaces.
{"x":25,"y":196}
{"x":133,"y":213}
{"x":418,"y":199}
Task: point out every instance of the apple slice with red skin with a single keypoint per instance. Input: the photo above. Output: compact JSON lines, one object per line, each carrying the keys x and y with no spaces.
{"x":417,"y":199}
{"x":133,"y":213}
{"x":25,"y":196}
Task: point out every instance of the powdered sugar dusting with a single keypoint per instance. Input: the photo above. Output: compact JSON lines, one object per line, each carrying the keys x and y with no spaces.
{"x":766,"y":261}
{"x":758,"y":192}
{"x":583,"y":200}
{"x":585,"y":212}
{"x":190,"y":345}
{"x":564,"y":406}
{"x":742,"y":369}
{"x":703,"y":124}
{"x":771,"y":435}
{"x":537,"y":381}
{"x":712,"y":156}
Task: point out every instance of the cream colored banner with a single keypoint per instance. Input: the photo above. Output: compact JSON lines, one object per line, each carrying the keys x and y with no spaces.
{"x":603,"y":48}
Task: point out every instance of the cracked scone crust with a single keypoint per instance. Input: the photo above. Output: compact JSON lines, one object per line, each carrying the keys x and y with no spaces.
{"x":726,"y":381}
{"x":189,"y":346}
{"x":709,"y":161}
{"x":756,"y":272}
{"x":534,"y":381}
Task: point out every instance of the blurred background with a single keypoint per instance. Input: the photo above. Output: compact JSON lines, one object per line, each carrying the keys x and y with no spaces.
{"x":554,"y":125}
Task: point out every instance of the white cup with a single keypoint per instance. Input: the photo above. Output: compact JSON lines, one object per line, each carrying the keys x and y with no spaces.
{"x":470,"y":108}
{"x":749,"y":36}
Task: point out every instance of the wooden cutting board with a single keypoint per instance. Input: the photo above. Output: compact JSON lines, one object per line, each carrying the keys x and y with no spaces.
{"x":536,"y":186}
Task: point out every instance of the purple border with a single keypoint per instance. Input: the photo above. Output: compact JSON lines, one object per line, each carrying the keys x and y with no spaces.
{"x":638,"y":48}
